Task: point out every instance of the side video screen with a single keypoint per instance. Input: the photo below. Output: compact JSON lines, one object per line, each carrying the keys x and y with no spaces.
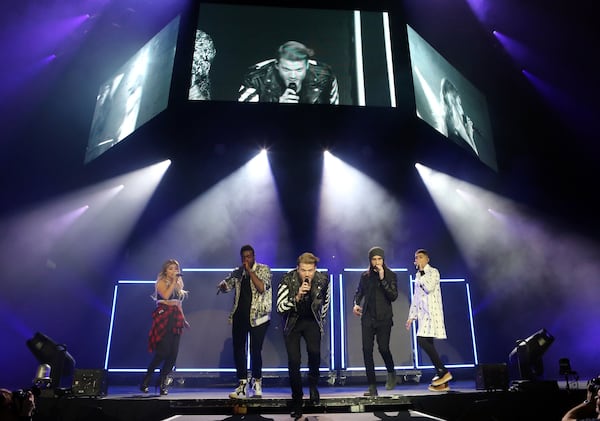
{"x":448,"y":102}
{"x":292,"y":55}
{"x":135,"y":93}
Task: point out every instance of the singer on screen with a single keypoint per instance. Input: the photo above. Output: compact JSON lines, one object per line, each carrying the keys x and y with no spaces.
{"x":457,"y":125}
{"x":168,"y":322}
{"x":294,"y":77}
{"x":250,"y":314}
{"x":303,"y":298}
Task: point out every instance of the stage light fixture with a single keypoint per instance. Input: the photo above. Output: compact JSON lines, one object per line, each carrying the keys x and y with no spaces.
{"x":49,"y":353}
{"x":43,"y":379}
{"x":527,"y":355}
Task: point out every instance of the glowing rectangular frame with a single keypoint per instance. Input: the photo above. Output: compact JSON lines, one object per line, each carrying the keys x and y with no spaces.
{"x":218,"y":370}
{"x":343,"y":324}
{"x":470,"y":308}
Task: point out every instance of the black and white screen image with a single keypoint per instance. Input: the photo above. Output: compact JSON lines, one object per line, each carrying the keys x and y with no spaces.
{"x":237,"y":56}
{"x":449,"y":102}
{"x":134,"y":94}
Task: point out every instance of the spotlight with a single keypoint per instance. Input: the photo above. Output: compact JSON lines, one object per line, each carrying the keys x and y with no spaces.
{"x":56,"y":362}
{"x":527,"y":355}
{"x":42,"y":378}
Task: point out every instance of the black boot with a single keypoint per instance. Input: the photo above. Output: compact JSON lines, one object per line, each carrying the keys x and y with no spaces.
{"x":315,"y":397}
{"x":391,"y":381}
{"x":146,"y":382}
{"x":372,"y":392}
{"x":296,"y":412}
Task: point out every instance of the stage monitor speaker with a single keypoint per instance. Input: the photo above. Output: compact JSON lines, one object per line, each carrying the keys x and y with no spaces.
{"x":90,"y":382}
{"x":537,"y":386}
{"x":491,"y":377}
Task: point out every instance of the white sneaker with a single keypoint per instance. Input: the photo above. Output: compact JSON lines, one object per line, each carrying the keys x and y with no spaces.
{"x":257,"y":388}
{"x":240,"y":391}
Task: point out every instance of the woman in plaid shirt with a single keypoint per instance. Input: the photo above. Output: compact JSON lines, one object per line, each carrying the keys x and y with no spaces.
{"x":168,"y":322}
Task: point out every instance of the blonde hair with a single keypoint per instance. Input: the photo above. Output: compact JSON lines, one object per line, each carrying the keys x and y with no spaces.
{"x":179,"y":291}
{"x":308,"y":258}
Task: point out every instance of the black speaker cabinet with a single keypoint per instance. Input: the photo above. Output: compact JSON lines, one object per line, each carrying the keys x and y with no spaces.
{"x":90,"y":382}
{"x":491,"y":377}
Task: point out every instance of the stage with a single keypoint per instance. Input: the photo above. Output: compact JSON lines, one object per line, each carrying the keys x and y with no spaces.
{"x":546,"y":400}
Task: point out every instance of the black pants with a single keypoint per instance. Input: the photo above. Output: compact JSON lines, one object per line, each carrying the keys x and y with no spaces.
{"x":381,"y":331}
{"x":239,"y":331}
{"x":166,"y":352}
{"x":426,"y":344}
{"x":308,"y":329}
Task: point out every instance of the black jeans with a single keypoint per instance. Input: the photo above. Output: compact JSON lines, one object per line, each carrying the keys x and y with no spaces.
{"x":239,"y":331}
{"x":381,"y":330}
{"x":426,"y":344}
{"x":166,"y":350}
{"x":308,"y":329}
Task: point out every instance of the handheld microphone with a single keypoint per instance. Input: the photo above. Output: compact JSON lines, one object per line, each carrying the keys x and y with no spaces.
{"x":466,"y":123}
{"x":293,"y":86}
{"x":305,"y":296}
{"x":179,"y":275}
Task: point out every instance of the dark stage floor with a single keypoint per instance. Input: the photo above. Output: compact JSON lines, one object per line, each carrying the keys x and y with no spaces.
{"x":544,"y":401}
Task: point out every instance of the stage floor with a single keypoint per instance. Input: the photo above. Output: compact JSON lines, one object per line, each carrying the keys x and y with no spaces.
{"x":283,"y":392}
{"x":407,"y":401}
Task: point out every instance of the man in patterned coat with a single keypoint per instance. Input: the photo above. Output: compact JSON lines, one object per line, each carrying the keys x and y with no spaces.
{"x":427,"y":308}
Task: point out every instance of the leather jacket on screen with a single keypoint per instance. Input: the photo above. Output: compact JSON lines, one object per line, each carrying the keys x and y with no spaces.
{"x":262,"y":83}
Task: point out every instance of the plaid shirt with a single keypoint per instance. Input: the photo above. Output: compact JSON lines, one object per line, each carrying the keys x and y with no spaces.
{"x":160,"y":320}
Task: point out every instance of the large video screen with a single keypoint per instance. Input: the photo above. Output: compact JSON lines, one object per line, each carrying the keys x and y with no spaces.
{"x":292,"y":55}
{"x":448,"y":102}
{"x":135,"y":93}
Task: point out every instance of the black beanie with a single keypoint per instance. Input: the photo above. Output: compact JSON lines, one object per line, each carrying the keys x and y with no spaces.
{"x":376,"y":251}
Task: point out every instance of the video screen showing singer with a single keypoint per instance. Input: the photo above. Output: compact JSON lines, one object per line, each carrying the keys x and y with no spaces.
{"x":294,"y":77}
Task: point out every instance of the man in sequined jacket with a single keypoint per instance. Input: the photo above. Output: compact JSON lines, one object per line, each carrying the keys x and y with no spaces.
{"x":250,"y":315}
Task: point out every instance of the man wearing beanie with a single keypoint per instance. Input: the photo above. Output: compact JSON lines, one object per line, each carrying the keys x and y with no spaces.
{"x":377,"y":289}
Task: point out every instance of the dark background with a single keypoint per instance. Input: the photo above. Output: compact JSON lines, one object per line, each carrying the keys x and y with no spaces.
{"x":546,"y":144}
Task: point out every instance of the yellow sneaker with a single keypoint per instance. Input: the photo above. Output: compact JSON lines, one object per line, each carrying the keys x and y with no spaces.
{"x":437,"y":380}
{"x":441,"y":388}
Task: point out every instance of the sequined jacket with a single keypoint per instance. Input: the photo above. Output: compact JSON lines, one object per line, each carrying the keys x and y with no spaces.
{"x":262,"y":302}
